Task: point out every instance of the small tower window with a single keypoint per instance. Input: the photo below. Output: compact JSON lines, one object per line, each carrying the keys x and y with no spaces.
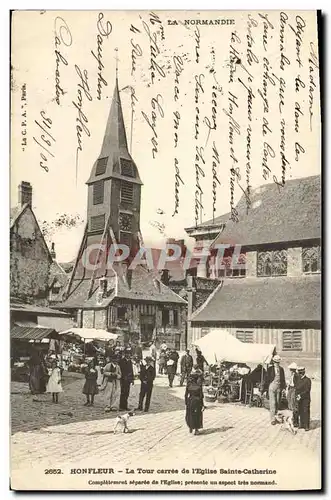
{"x":126,"y":192}
{"x":97,"y":223}
{"x":127,"y":167}
{"x":101,"y":166}
{"x":98,"y":192}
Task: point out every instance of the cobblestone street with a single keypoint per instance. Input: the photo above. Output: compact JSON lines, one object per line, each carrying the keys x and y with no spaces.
{"x":69,"y":435}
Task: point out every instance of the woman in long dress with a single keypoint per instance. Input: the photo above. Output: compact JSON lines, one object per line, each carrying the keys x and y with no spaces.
{"x":38,"y":373}
{"x":111,"y":383}
{"x":194,"y":402}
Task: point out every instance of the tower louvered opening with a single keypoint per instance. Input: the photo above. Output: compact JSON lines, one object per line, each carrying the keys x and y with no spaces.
{"x":101,"y":166}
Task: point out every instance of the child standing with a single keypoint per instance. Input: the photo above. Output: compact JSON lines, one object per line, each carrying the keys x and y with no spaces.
{"x":54,"y":382}
{"x":90,"y":388}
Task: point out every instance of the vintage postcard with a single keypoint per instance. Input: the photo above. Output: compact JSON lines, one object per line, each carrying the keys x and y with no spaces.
{"x":165,"y":242}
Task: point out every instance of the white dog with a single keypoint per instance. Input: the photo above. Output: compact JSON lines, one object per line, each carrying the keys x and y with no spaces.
{"x":286,"y":421}
{"x":122,"y":421}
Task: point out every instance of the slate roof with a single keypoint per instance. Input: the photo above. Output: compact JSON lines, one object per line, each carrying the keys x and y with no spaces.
{"x":291,"y":213}
{"x":18,"y":306}
{"x":263,"y":300}
{"x":114,"y":145}
{"x":141,"y":287}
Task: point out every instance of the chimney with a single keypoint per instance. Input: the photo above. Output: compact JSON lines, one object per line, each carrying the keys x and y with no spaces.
{"x":24,"y":193}
{"x":165,"y":277}
{"x":53,"y":254}
{"x":103,"y":282}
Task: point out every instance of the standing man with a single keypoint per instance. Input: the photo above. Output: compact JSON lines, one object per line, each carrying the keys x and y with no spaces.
{"x":153,"y":351}
{"x":172,"y":366}
{"x":276,"y":384}
{"x":186,"y":365}
{"x":200,"y":360}
{"x":303,"y":389}
{"x":147,"y":376}
{"x":291,"y":393}
{"x":127,"y":378}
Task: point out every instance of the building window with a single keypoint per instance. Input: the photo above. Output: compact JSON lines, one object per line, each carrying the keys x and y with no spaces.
{"x":126,"y":192}
{"x":127,"y":167}
{"x":125,"y":222}
{"x":98,"y":192}
{"x":101,"y":166}
{"x":165,"y":317}
{"x":229,"y":266}
{"x":311,"y":260}
{"x":292,"y":340}
{"x":176,"y":318}
{"x":272,"y":263}
{"x":121,"y":313}
{"x":97,"y":223}
{"x":245,"y":336}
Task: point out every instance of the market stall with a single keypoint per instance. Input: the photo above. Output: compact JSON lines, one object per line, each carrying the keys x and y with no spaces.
{"x":236,"y":369}
{"x":25,"y":338}
{"x":86,"y":343}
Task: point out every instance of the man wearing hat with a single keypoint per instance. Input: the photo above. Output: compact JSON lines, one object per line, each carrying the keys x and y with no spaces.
{"x":276,"y":384}
{"x":147,"y":376}
{"x":303,"y":388}
{"x":127,"y":378}
{"x":291,"y":393}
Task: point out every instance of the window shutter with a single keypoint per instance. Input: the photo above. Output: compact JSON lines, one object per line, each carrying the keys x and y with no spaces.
{"x":98,"y":192}
{"x":171,"y":318}
{"x":292,"y":340}
{"x":97,"y":223}
{"x":101,"y":166}
{"x":127,"y":192}
{"x":127,"y":167}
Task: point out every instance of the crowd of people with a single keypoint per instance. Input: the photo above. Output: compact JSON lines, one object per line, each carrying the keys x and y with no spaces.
{"x":297,"y":390}
{"x":113,"y":375}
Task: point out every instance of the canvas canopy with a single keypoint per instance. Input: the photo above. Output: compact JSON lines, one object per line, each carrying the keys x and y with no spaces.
{"x":90,"y":334}
{"x":219,"y":345}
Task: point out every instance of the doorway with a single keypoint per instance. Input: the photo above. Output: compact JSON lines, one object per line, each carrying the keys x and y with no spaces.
{"x":147,"y":325}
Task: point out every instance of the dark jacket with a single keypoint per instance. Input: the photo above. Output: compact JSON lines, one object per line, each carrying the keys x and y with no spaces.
{"x":303,"y":388}
{"x":200,"y":361}
{"x":126,"y":370}
{"x":147,"y":374}
{"x":186,"y":363}
{"x":138,"y":352}
{"x":271,"y":376}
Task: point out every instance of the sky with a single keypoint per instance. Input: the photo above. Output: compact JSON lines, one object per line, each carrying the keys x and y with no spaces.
{"x":59,"y":191}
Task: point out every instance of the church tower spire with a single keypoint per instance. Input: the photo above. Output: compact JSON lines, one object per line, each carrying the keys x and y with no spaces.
{"x":114,"y":186}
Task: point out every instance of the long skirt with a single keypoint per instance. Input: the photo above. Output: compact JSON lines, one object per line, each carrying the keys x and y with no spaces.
{"x":111,"y":394}
{"x":37,"y":380}
{"x":194,"y":414}
{"x":90,"y":387}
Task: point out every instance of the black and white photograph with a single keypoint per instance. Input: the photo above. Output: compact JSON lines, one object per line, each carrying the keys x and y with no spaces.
{"x":165,"y":250}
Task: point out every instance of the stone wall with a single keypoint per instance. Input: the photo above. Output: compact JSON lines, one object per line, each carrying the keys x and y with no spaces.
{"x":29,"y":261}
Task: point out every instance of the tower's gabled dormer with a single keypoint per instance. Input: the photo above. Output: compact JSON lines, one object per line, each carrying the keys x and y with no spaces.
{"x":114,"y":186}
